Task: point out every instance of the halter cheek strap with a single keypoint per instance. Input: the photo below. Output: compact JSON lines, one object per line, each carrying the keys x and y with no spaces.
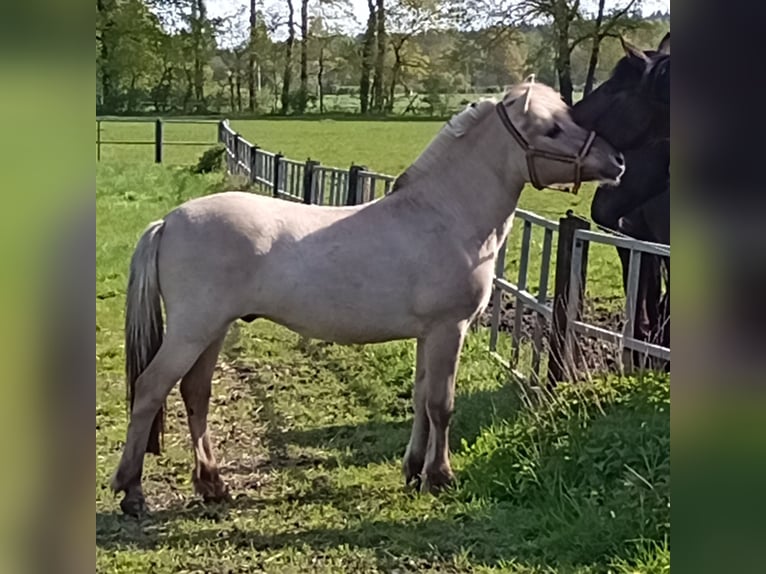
{"x":531,"y":153}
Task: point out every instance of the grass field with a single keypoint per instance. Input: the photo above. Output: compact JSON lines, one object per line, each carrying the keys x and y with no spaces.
{"x":310,"y":436}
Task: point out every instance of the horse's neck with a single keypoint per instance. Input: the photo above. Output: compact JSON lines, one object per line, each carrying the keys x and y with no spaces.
{"x":468,"y":182}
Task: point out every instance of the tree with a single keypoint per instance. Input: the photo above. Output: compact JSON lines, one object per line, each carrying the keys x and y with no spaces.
{"x":287,"y":74}
{"x":601,"y":30}
{"x":377,"y":81}
{"x":251,"y":90}
{"x":568,"y":22}
{"x":301,"y":100}
{"x":367,"y":54}
{"x":408,"y":18}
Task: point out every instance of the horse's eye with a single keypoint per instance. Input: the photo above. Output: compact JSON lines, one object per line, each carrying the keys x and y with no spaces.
{"x":554,"y":131}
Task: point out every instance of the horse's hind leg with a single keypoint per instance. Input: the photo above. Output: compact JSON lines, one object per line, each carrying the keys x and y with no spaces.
{"x":415,"y":455}
{"x":195,"y":390}
{"x":173,"y":360}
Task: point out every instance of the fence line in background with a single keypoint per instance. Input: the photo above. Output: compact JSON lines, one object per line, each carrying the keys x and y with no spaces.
{"x":158,"y":142}
{"x":561,"y":316}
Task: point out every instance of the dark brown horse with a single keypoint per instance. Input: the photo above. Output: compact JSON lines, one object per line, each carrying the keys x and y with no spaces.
{"x":632,"y":111}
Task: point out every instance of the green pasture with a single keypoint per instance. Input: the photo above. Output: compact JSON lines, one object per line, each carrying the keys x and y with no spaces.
{"x":309,"y":435}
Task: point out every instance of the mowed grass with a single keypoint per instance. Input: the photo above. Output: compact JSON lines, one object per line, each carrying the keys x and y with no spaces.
{"x":310,"y":436}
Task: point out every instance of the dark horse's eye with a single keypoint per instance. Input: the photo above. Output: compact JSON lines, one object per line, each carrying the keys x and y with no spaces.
{"x":554,"y":131}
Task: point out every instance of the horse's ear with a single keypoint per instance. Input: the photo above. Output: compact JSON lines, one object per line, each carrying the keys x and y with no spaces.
{"x":635,"y":55}
{"x":664,"y":47}
{"x":527,"y":97}
{"x":530,"y":79}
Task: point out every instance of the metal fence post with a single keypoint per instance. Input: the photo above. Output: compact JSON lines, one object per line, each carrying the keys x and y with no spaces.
{"x":497,"y":297}
{"x":277,"y":168}
{"x":560,"y":328}
{"x":158,"y":141}
{"x":308,"y":181}
{"x":353,"y":184}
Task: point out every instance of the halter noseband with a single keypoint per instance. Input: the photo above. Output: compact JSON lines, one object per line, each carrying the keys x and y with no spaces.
{"x":531,"y":153}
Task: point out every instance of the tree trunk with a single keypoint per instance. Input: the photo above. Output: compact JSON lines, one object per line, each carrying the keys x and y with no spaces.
{"x":287,"y":76}
{"x":251,"y":91}
{"x":200,"y":14}
{"x":563,"y":54}
{"x":394,"y":75}
{"x":106,"y":75}
{"x":238,"y":79}
{"x":377,"y":83}
{"x":369,"y":40}
{"x":320,"y":74}
{"x":189,"y":93}
{"x":304,"y":55}
{"x":593,"y":62}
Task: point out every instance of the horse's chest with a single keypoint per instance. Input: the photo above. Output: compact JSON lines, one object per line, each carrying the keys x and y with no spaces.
{"x":462,"y":287}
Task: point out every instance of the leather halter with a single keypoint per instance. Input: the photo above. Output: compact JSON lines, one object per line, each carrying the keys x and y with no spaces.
{"x":531,"y":153}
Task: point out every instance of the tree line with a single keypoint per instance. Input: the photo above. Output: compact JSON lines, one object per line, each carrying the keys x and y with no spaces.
{"x":301,"y":56}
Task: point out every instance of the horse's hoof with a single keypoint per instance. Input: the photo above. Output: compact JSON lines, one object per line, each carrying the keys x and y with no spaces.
{"x":212,"y":490}
{"x":413,"y":482}
{"x":217,"y":497}
{"x":133,"y":506}
{"x":412,"y":470}
{"x":436,"y":482}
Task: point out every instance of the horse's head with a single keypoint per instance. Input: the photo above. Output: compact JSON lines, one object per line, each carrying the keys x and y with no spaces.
{"x":631,"y":108}
{"x":556,"y":149}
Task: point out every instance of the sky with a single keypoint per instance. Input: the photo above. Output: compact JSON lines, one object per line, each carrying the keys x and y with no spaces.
{"x":359,"y":7}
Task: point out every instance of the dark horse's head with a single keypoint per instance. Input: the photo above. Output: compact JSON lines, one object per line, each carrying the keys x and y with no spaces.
{"x":631,"y":108}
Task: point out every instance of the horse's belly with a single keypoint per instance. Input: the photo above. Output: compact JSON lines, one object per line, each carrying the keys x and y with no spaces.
{"x":345,"y":326}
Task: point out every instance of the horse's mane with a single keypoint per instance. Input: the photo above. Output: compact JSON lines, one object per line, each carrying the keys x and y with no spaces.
{"x":657,"y":77}
{"x":544,"y":101}
{"x":456,"y":127}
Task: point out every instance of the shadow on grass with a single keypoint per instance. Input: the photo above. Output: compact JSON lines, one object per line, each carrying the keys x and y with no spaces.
{"x":490,"y":536}
{"x":587,"y":519}
{"x":359,"y":445}
{"x":384,"y":441}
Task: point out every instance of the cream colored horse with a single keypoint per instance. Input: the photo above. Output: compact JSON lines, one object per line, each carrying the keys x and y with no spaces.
{"x":417,"y":263}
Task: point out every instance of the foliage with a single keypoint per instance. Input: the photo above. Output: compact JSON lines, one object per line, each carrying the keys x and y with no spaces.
{"x":211,"y":160}
{"x":595,"y":456}
{"x":168,"y":56}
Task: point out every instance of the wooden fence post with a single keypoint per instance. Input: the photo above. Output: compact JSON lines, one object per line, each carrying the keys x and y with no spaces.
{"x":277,"y":167}
{"x":98,"y":140}
{"x":559,"y":359}
{"x":158,"y":141}
{"x":253,"y":163}
{"x":353,"y":184}
{"x":308,"y":181}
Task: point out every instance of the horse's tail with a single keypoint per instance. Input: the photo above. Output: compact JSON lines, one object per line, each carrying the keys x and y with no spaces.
{"x":143,"y":321}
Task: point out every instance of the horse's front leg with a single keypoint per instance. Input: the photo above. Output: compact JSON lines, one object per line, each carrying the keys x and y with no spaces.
{"x":442,"y":356}
{"x":415,"y":456}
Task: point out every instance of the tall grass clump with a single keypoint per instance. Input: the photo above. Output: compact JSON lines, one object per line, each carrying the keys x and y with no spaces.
{"x":591,"y":460}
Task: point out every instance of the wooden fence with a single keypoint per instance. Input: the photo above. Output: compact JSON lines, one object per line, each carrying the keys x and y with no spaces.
{"x":307,"y":182}
{"x":558,"y":322}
